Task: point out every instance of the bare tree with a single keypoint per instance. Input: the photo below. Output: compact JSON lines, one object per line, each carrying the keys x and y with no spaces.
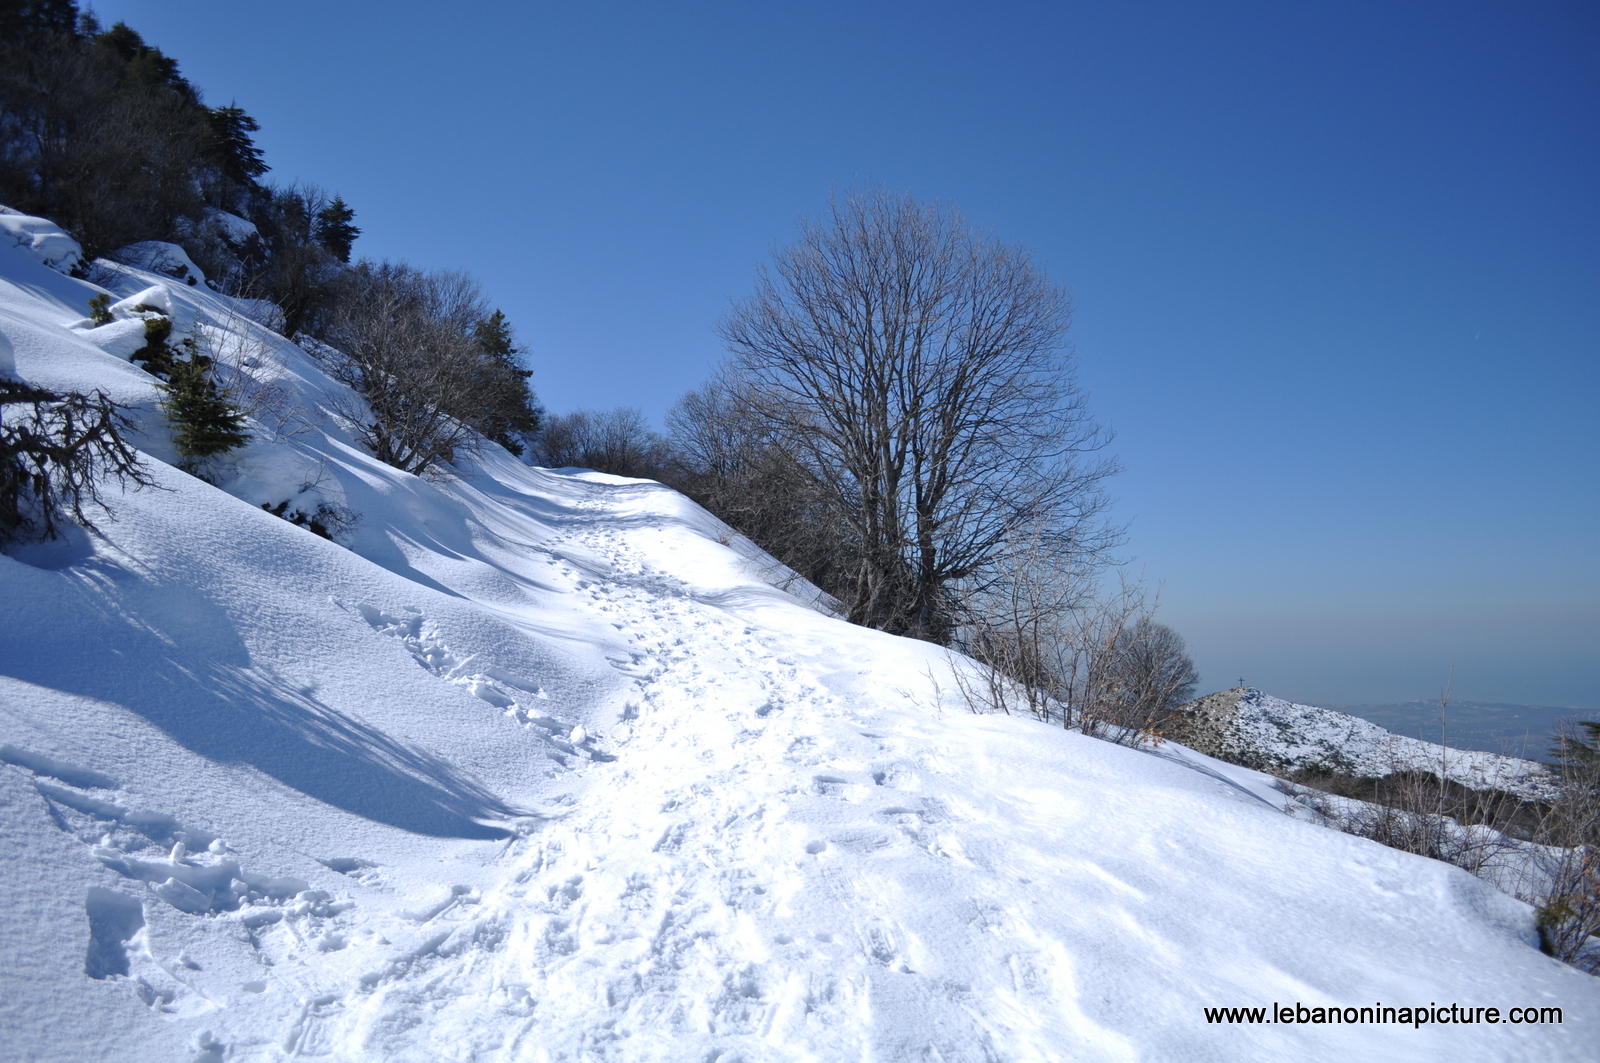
{"x":1033,"y":627}
{"x":1139,"y":673}
{"x":729,"y":458}
{"x":915,"y":366}
{"x":1057,"y":642}
{"x":407,"y":342}
{"x":617,"y":441}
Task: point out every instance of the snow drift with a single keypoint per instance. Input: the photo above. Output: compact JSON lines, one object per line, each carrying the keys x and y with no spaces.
{"x":534,"y":765}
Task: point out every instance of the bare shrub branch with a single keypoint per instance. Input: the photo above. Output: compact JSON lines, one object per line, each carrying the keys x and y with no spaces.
{"x":56,"y":450}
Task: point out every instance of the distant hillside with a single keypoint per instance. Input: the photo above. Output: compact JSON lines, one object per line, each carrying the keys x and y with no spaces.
{"x":1248,"y":727}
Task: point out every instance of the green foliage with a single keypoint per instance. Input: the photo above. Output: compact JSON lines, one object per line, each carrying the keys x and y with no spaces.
{"x":1579,"y":753}
{"x":98,"y":130}
{"x":144,"y":64}
{"x":100,"y":309}
{"x":300,"y":274}
{"x":205,"y":423}
{"x":155,"y":355}
{"x":333,"y":229}
{"x":32,"y":17}
{"x":101,"y":133}
{"x":494,"y":336}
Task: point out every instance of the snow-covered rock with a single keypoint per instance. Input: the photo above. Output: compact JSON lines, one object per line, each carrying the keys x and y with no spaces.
{"x":235,"y":230}
{"x":158,"y":256}
{"x":1245,"y":726}
{"x":42,"y":240}
{"x":538,"y":767}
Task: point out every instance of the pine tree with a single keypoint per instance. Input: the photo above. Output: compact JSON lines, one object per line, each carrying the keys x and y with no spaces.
{"x":206,"y":423}
{"x":515,"y":412}
{"x":231,"y":144}
{"x":1576,"y":751}
{"x":333,"y":229}
{"x":494,"y":336}
{"x":34,"y":17}
{"x":145,"y":64}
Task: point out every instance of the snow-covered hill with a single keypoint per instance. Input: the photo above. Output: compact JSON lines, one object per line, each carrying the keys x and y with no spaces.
{"x":1246,"y":726}
{"x":537,"y":766}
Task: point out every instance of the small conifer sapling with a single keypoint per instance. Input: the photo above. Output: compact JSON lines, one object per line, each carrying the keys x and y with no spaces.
{"x":100,"y":309}
{"x":205,"y":423}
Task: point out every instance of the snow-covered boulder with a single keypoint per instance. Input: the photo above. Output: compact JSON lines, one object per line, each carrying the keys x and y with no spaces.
{"x":124,"y":334}
{"x":41,"y":238}
{"x":235,"y":230}
{"x":158,"y":256}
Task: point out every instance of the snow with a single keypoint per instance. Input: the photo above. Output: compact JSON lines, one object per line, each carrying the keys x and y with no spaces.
{"x":158,"y":256}
{"x":548,"y":765}
{"x":43,"y":241}
{"x":231,"y":227}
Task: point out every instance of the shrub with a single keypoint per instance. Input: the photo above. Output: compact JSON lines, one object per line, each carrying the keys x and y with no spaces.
{"x":155,"y":355}
{"x":56,"y":450}
{"x":100,"y":309}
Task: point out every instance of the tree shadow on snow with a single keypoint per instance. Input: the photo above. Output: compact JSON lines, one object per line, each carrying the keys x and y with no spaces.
{"x":172,"y":656}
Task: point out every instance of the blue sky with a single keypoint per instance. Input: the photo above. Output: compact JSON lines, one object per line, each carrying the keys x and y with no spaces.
{"x":1337,"y":267}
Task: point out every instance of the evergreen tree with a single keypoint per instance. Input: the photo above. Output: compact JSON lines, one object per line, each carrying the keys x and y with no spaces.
{"x":515,"y":412}
{"x":27,"y":17}
{"x":235,"y":152}
{"x":145,"y":64}
{"x":1579,"y":751}
{"x":333,"y":228}
{"x":206,"y":423}
{"x":494,"y":336}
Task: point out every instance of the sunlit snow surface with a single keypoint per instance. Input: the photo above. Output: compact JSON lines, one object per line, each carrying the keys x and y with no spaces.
{"x":540,"y":768}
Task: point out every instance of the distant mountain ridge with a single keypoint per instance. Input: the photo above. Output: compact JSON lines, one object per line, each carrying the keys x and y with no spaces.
{"x":1249,"y":727}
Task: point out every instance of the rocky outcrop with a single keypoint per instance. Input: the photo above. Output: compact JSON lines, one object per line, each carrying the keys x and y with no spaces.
{"x":1248,"y":727}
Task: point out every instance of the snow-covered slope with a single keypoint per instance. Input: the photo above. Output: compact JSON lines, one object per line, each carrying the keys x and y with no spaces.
{"x":1246,"y":726}
{"x":540,"y":768}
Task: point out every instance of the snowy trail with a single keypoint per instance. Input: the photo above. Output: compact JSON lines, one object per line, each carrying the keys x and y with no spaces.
{"x":787,"y":860}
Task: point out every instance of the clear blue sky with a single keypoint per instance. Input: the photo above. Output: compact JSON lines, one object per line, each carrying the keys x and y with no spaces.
{"x":1337,"y":266}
